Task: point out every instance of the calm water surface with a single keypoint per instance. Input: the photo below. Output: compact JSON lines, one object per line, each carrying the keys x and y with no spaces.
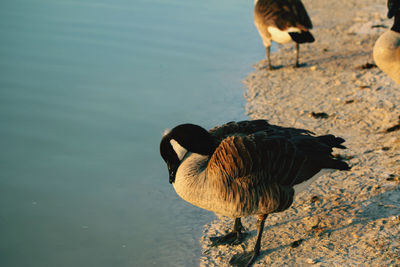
{"x":86,"y":89}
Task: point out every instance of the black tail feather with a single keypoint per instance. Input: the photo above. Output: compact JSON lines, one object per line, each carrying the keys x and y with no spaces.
{"x":332,"y":141}
{"x":302,"y":37}
{"x":339,"y":165}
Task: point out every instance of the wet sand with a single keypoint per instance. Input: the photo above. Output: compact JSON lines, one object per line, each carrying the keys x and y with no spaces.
{"x":345,"y":218}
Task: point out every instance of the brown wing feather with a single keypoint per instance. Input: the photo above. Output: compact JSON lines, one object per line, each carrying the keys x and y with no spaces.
{"x":285,"y":157}
{"x":263,"y":166}
{"x":249,"y":127}
{"x":241,"y":127}
{"x":282,"y":14}
{"x":237,"y":164}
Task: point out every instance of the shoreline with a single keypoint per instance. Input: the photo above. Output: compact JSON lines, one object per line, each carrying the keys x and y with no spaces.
{"x":345,"y":218}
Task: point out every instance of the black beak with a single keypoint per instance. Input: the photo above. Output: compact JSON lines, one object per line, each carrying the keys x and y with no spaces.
{"x":172,"y":169}
{"x":172,"y":173}
{"x":171,"y":177}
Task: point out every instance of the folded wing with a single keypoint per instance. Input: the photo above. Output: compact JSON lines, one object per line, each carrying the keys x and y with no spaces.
{"x":283,"y":14}
{"x":283,"y":155}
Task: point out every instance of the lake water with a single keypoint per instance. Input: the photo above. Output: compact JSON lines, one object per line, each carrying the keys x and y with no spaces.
{"x":86,"y":89}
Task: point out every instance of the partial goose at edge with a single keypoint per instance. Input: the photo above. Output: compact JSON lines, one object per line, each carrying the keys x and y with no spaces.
{"x":387,"y":48}
{"x":282,"y":21}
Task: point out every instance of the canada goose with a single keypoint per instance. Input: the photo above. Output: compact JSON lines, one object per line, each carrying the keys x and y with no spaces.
{"x":387,"y":47}
{"x":244,"y":168}
{"x":282,"y":21}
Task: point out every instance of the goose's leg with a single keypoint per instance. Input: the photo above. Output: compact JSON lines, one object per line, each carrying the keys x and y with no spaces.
{"x":247,"y":258}
{"x":268,"y":54}
{"x":233,"y":238}
{"x":296,"y":65}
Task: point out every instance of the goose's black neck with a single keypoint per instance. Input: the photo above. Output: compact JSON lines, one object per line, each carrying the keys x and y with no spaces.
{"x":191,"y":137}
{"x":396,"y":24}
{"x":394,"y":11}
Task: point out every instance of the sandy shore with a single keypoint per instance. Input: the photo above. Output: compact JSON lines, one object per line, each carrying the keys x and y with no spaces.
{"x":345,"y":218}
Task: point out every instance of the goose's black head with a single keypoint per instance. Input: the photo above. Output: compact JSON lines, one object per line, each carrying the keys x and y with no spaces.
{"x":190,"y":137}
{"x":393,"y":8}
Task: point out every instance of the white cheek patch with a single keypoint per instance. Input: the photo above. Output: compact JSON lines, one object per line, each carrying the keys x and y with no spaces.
{"x":179,"y":150}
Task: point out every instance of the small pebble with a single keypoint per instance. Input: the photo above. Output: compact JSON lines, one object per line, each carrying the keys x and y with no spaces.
{"x":395,"y":218}
{"x":311,"y":261}
{"x":315,"y":199}
{"x":297,"y":243}
{"x":392,"y":179}
{"x":368,"y":66}
{"x":319,"y":115}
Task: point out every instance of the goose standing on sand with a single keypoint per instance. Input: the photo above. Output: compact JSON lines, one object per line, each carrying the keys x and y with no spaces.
{"x":282,"y":21}
{"x":387,"y":47}
{"x":244,"y":168}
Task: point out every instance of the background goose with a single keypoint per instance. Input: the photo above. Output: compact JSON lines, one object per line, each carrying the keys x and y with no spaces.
{"x":282,"y":21}
{"x":387,"y":47}
{"x":244,"y":168}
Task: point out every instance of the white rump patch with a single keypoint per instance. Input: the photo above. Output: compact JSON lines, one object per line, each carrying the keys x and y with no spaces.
{"x":300,"y":187}
{"x":282,"y":37}
{"x":179,"y":150}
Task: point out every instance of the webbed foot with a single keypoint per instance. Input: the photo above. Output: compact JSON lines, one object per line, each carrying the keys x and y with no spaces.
{"x":232,"y":238}
{"x":246,"y":258}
